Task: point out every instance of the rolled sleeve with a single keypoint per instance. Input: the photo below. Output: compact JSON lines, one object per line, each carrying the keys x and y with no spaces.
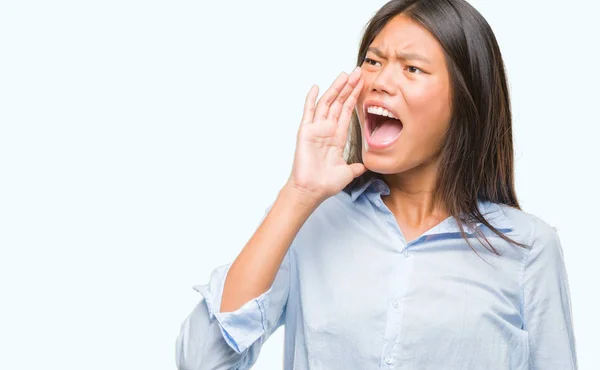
{"x":210,"y":339}
{"x":257,"y":318}
{"x":242,"y":327}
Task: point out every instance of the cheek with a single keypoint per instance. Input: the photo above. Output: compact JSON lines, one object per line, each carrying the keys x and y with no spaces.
{"x":429,"y":108}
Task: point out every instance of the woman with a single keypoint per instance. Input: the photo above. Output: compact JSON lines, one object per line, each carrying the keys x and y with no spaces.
{"x":408,"y":251}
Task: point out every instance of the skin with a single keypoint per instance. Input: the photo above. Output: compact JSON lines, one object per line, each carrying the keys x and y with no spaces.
{"x":419,"y":92}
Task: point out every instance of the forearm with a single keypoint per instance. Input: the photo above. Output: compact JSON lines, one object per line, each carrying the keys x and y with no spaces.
{"x":254,"y":270}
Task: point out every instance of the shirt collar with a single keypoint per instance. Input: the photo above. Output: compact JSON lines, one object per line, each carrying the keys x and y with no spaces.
{"x":492,"y":212}
{"x":374,"y":184}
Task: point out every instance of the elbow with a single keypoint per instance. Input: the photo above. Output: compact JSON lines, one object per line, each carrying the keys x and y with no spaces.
{"x":200,"y":344}
{"x":190,"y":344}
{"x":187,"y":356}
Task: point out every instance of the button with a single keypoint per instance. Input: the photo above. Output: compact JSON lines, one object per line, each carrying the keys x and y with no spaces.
{"x":389,"y":360}
{"x":395,"y":304}
{"x":405,"y":252}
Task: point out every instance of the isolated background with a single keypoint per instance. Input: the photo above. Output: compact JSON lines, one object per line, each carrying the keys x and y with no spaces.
{"x":141,"y":142}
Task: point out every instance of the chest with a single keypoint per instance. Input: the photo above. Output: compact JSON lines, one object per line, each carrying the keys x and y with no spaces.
{"x":441,"y":288}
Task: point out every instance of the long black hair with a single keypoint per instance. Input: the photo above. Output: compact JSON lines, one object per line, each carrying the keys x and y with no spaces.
{"x":476,"y":158}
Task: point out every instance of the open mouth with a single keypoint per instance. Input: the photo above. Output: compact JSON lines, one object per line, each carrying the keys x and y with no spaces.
{"x":382,"y":128}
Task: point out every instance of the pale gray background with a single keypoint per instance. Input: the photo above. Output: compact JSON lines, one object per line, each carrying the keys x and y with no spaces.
{"x":141,"y":142}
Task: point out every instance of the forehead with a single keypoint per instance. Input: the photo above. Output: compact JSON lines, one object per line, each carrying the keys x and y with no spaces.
{"x":403,"y":34}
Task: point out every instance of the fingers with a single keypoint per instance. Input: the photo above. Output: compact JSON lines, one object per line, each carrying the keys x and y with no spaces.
{"x":309,"y":104}
{"x":336,"y":107}
{"x":331,"y":104}
{"x":347,"y":108}
{"x":358,"y":169}
{"x":329,"y":96}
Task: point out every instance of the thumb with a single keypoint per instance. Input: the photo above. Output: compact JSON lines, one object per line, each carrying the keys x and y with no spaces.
{"x":357,"y":169}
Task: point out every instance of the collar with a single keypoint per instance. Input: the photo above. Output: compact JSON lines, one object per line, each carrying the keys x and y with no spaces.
{"x":374,"y":184}
{"x":492,"y":212}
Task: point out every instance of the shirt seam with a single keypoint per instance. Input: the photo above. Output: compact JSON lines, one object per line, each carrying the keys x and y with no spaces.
{"x":263,"y":317}
{"x":522,"y":277}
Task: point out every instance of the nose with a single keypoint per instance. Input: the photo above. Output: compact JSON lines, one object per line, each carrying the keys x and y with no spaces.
{"x":385,"y":80}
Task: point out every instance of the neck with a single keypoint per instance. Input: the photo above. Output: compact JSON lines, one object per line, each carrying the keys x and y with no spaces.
{"x":411,"y":197}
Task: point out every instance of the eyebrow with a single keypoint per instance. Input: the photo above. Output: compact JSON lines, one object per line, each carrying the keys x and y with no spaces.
{"x":400,"y":55}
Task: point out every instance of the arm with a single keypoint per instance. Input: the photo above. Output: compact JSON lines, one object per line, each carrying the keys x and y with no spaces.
{"x":247,"y":300}
{"x":254,"y":289}
{"x":253,"y":271}
{"x":547,"y":304}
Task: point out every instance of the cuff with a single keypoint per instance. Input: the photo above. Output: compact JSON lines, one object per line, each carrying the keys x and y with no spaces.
{"x":242,"y":327}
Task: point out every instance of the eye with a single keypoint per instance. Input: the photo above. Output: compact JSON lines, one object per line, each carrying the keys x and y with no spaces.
{"x":369,"y":61}
{"x":413,"y":69}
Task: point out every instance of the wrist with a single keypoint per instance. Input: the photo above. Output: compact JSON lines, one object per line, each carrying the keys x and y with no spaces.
{"x":300,"y":197}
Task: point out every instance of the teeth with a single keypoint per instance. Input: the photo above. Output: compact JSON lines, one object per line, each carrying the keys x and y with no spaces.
{"x":381,"y":111}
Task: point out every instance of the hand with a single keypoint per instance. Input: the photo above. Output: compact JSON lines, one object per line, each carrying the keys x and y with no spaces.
{"x":319,"y":169}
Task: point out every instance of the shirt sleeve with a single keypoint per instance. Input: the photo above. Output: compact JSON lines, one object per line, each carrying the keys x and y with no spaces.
{"x":547,"y":304}
{"x":210,"y":339}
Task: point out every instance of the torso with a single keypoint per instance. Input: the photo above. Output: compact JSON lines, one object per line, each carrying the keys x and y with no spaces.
{"x":358,"y":300}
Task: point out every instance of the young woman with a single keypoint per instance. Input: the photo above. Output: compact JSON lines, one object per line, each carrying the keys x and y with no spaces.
{"x":408,"y":250}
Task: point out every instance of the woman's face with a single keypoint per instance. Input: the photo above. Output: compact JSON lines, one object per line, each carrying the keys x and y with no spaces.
{"x":405,"y":72}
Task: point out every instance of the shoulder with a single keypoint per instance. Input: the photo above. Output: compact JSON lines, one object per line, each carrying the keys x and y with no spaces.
{"x":334,"y":220}
{"x":335,"y":207}
{"x":334,"y":215}
{"x":532,"y":228}
{"x":541,"y":237}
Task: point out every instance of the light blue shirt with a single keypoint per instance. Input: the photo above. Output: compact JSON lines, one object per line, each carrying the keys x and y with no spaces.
{"x":353,"y":294}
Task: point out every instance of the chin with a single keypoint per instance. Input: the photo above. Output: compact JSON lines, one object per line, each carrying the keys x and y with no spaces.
{"x":385,"y":164}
